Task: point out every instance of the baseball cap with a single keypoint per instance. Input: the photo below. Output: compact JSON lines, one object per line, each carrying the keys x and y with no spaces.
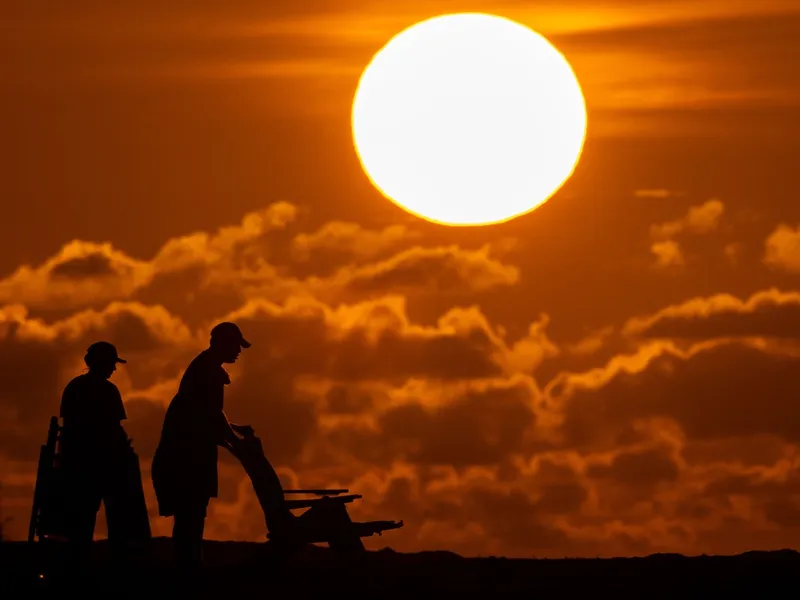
{"x":230,"y":332}
{"x":104,"y":351}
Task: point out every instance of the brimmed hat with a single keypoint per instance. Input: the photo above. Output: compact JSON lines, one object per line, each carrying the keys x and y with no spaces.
{"x":103,"y":352}
{"x":229,"y":332}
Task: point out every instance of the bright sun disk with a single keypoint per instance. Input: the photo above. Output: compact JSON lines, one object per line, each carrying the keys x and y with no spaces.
{"x":468,"y":119}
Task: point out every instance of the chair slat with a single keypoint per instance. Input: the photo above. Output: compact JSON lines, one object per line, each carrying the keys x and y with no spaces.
{"x":317,"y":492}
{"x":294,"y":504}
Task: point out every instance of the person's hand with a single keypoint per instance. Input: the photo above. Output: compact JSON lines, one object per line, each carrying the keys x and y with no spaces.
{"x":233,"y":446}
{"x":244,"y":430}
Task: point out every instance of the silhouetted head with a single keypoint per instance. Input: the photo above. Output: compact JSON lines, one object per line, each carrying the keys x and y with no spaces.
{"x":227,"y":342}
{"x":102,"y":359}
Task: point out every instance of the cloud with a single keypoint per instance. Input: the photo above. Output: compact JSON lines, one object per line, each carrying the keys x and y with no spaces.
{"x":783,"y":249}
{"x":639,"y":469}
{"x":766,"y":314}
{"x":712,"y":390}
{"x":658,"y":193}
{"x":350,"y":239}
{"x":371,"y":339}
{"x":204,"y":274}
{"x":591,"y":343}
{"x":699,"y":220}
{"x":80,"y":274}
{"x":416,"y":271}
{"x":480,"y":422}
{"x":668,"y":254}
{"x":85,"y":274}
{"x":439,"y":269}
{"x":230,"y":246}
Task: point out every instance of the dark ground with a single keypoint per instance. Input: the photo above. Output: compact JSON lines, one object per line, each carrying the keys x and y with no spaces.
{"x":240,"y":569}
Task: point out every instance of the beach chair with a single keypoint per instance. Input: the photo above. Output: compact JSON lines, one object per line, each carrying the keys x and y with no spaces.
{"x":325,"y":521}
{"x":47,"y":512}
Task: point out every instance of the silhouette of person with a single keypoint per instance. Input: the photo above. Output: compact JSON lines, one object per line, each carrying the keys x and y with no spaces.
{"x":184,"y":468}
{"x":93,"y":443}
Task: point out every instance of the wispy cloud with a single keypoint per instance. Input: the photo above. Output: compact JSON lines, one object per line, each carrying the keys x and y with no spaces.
{"x":657,"y":193}
{"x":630,"y":56}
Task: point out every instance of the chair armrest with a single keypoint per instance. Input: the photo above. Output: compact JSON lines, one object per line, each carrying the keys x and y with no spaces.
{"x":317,"y":492}
{"x":293,"y":504}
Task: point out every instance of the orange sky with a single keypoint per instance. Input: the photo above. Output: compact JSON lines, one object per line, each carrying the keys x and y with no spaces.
{"x":614,"y":373}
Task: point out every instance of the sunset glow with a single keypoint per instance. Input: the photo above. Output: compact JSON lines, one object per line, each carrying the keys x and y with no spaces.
{"x":612,"y":372}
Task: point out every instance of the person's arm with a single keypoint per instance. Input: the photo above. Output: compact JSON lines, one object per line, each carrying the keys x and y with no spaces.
{"x":224,"y":431}
{"x":120,"y":435}
{"x":227,"y":435}
{"x":108,"y":424}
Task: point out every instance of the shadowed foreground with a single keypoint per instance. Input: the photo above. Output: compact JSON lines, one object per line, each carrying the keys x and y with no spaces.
{"x":241,"y":568}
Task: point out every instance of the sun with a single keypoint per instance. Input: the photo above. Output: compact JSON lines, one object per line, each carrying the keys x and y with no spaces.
{"x":468,"y":119}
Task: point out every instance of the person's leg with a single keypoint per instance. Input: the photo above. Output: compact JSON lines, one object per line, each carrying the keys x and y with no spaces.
{"x":82,"y":530}
{"x":82,"y":519}
{"x":118,"y":534}
{"x":187,"y":533}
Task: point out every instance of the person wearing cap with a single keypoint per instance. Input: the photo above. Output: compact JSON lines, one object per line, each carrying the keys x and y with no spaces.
{"x":93,"y":441}
{"x":184,"y":468}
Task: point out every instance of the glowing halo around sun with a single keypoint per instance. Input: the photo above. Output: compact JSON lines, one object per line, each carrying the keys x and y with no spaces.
{"x":468,"y":119}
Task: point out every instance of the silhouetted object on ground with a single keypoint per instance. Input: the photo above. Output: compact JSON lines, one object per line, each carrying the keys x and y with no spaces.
{"x":126,"y":507}
{"x":184,"y":468}
{"x":48,"y":520}
{"x":326,"y":521}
